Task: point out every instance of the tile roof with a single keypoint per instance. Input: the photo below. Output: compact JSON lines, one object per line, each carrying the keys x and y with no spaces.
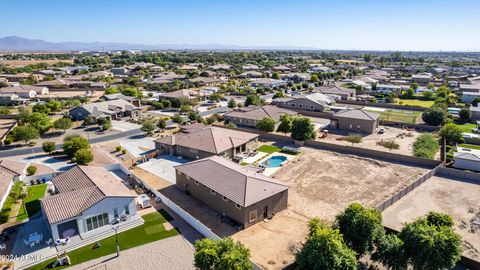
{"x":209,"y":139}
{"x":15,"y":167}
{"x":231,"y":180}
{"x":357,"y":114}
{"x":258,"y":113}
{"x":80,"y":188}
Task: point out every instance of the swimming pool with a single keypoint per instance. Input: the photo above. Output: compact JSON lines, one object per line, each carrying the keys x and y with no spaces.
{"x":274,"y":162}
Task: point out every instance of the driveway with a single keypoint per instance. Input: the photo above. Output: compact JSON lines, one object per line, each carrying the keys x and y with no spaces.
{"x":136,"y":145}
{"x":162,"y":166}
{"x":124,"y":126}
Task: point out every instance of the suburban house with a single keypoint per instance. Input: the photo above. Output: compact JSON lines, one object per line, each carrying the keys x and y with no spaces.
{"x":232,"y":190}
{"x":422,"y":78}
{"x":12,"y":100}
{"x":469,"y":97}
{"x":469,"y":88}
{"x":86,"y":199}
{"x":250,"y":74}
{"x":220,"y":67}
{"x":356,"y":120}
{"x":250,"y":116}
{"x":198,"y":141}
{"x":335,"y":91}
{"x":25,"y":91}
{"x":134,"y":100}
{"x":389,"y":88}
{"x":10,"y":171}
{"x":112,"y":110}
{"x":184,"y":94}
{"x":266,"y":82}
{"x":312,"y":102}
{"x":250,"y":67}
{"x":467,"y":159}
{"x":119,"y":71}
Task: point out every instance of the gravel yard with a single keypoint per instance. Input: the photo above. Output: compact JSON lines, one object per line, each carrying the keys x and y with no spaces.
{"x":460,"y":199}
{"x":170,"y":253}
{"x":322,"y":184}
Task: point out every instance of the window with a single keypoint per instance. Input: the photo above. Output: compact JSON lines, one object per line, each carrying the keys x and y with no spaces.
{"x":224,"y":198}
{"x":300,"y":105}
{"x":212,"y":191}
{"x":196,"y":182}
{"x":127,"y":210}
{"x":238,"y":206}
{"x":253,"y":215}
{"x":115,"y":213}
{"x":97,"y":221}
{"x":311,"y":107}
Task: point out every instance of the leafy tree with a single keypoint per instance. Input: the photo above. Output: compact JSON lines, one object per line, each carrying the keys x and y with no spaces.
{"x":73,"y":143}
{"x":353,"y":138}
{"x":40,"y":121}
{"x":465,"y":114}
{"x":25,"y":133}
{"x":48,"y":147}
{"x":253,"y":100}
{"x":303,"y":129}
{"x":166,"y":103}
{"x":278,"y":95}
{"x":5,"y":111}
{"x":221,"y":254}
{"x":162,"y":123}
{"x":232,"y":103}
{"x":41,"y":108}
{"x":267,"y":124}
{"x":414,"y":86}
{"x":89,"y":120}
{"x":409,"y":93}
{"x":452,"y":133}
{"x":361,"y":227}
{"x":431,"y":243}
{"x":83,"y":156}
{"x":54,"y":105}
{"x":390,"y":252}
{"x":428,"y":95}
{"x":325,"y":249}
{"x":177,"y":118}
{"x":132,"y":92}
{"x":193,"y":115}
{"x":23,"y":115}
{"x":475,"y":102}
{"x":148,"y":127}
{"x":285,"y":125}
{"x":62,"y":123}
{"x":185,"y":108}
{"x":275,"y":75}
{"x":111,"y":90}
{"x":31,"y":170}
{"x":106,"y":125}
{"x":434,"y":116}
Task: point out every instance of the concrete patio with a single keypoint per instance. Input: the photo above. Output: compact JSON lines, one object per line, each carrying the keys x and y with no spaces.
{"x":163,"y":166}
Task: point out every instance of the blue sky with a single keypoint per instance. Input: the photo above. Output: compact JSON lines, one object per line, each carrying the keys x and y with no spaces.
{"x":348,"y":24}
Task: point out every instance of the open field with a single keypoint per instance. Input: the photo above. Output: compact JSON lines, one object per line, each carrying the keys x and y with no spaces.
{"x":403,"y":137}
{"x":404,"y":116}
{"x":454,"y":197}
{"x":322,"y":184}
{"x":416,"y":102}
{"x":467,"y":127}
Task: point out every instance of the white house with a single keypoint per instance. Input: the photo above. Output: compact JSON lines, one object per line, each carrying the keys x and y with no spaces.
{"x":87,"y":199}
{"x":389,"y":88}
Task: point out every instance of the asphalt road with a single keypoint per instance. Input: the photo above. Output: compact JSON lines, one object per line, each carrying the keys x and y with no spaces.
{"x":30,"y":150}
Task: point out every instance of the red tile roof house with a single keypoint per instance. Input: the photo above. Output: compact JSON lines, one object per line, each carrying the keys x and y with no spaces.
{"x":198,"y":141}
{"x":232,"y":190}
{"x":87,"y":200}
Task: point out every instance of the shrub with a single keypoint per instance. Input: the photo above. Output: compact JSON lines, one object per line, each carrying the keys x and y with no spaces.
{"x":434,"y":116}
{"x":83,"y":156}
{"x":390,"y":144}
{"x":118,"y":148}
{"x":353,"y":138}
{"x":124,"y":151}
{"x":48,"y":147}
{"x":73,"y":143}
{"x":425,"y":146}
{"x":31,"y":170}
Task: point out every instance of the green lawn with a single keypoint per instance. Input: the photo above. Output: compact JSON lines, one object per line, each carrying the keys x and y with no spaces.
{"x":416,"y":102}
{"x":31,"y":204}
{"x":269,"y":149}
{"x":10,"y":201}
{"x":471,"y":146}
{"x":410,"y":117}
{"x":152,"y":230}
{"x":467,"y":127}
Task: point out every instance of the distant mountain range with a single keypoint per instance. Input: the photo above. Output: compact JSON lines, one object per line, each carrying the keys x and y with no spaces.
{"x":20,"y":44}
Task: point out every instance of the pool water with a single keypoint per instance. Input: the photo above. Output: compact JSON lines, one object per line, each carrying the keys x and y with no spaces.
{"x":274,"y":161}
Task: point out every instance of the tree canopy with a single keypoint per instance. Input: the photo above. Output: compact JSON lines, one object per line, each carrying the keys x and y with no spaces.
{"x":303,"y":129}
{"x":221,"y":254}
{"x":73,"y":143}
{"x":434,"y":116}
{"x":267,"y":124}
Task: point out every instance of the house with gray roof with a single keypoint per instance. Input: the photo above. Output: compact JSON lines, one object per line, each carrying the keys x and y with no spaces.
{"x":86,"y":200}
{"x":234,"y":191}
{"x":316,"y":102}
{"x":197,"y":141}
{"x":467,"y":159}
{"x":356,"y":121}
{"x":251,"y":115}
{"x":116,"y":109}
{"x":335,"y":90}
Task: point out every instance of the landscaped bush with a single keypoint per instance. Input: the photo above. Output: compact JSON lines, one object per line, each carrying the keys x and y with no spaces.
{"x":390,"y":144}
{"x":118,"y":148}
{"x":425,"y":146}
{"x":31,"y":170}
{"x":83,"y":156}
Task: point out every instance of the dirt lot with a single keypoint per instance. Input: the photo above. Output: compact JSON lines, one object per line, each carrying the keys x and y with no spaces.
{"x":457,"y":198}
{"x":405,"y":139}
{"x":322,"y":184}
